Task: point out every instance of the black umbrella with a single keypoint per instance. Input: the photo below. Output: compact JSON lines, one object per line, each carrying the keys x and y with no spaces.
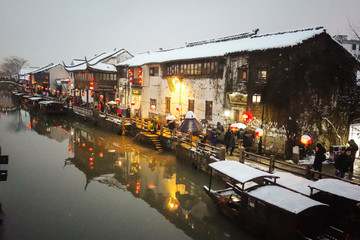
{"x":190,"y":124}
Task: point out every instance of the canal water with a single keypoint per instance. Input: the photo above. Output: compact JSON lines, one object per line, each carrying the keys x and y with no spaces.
{"x":70,"y":180}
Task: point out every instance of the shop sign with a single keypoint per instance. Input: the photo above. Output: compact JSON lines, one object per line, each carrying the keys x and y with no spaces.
{"x":238,"y":98}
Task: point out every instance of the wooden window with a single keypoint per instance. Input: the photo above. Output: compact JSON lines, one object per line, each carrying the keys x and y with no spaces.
{"x":154,"y":71}
{"x":262,"y":74}
{"x":191,"y":105}
{"x":167,"y":104}
{"x":208,"y":110}
{"x":152,"y":102}
{"x":242,"y":75}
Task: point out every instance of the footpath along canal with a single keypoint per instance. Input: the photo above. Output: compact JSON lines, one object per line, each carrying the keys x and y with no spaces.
{"x":69,"y":181}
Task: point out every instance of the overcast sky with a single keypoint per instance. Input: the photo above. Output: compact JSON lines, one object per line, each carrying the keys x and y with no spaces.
{"x":45,"y":31}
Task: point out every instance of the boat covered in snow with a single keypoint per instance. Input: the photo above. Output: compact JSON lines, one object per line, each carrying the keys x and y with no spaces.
{"x":252,"y":200}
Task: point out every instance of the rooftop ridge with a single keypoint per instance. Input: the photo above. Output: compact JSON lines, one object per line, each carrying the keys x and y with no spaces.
{"x":224,"y":39}
{"x":291,"y":31}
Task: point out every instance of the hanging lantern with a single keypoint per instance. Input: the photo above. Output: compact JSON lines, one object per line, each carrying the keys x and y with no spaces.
{"x":132,"y":103}
{"x":63,"y":93}
{"x":91,"y":93}
{"x":117,"y":100}
{"x":83,"y":93}
{"x":153,"y":107}
{"x":101,"y":96}
{"x":178,"y":108}
{"x":259,"y":133}
{"x":306,"y":140}
{"x":68,"y":93}
{"x":139,"y":70}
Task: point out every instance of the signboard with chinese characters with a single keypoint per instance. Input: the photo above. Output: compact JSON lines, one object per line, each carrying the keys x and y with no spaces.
{"x":136,"y":92}
{"x":238,"y":98}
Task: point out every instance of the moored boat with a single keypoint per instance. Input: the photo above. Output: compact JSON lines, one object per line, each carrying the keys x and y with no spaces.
{"x":252,"y":200}
{"x":51,"y":107}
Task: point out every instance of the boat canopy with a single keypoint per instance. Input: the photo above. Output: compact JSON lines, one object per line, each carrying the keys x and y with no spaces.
{"x":283,"y":198}
{"x":35,"y":98}
{"x":240,"y":172}
{"x":338,"y":187}
{"x":293,"y":182}
{"x":47,"y":102}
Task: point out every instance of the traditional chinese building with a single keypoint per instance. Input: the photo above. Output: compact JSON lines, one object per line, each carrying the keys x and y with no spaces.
{"x":44,"y":79}
{"x":286,"y":83}
{"x":96,"y":79}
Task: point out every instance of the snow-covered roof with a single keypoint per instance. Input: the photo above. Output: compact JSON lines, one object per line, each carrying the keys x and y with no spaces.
{"x":208,"y":49}
{"x":239,"y":171}
{"x":35,"y":98}
{"x":95,"y":62}
{"x":44,"y":68}
{"x":339,"y":188}
{"x":285,"y":199}
{"x":296,"y":183}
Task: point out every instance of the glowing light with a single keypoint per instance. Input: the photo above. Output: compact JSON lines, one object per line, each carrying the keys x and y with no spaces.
{"x":101,"y":154}
{"x":101,"y":97}
{"x":153,"y":107}
{"x":90,"y":149}
{"x":83,"y":144}
{"x":259,"y":132}
{"x":305,"y":139}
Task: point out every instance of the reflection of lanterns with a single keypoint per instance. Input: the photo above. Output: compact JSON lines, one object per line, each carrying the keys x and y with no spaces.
{"x":259,"y":132}
{"x":172,"y":204}
{"x":305,"y":139}
{"x":153,"y":107}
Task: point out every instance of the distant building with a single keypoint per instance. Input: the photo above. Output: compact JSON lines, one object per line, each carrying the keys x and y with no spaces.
{"x":96,"y":79}
{"x":285,"y":83}
{"x":43,"y":80}
{"x":352,"y":45}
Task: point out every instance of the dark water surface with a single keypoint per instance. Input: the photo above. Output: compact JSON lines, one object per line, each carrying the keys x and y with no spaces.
{"x":68,"y":180}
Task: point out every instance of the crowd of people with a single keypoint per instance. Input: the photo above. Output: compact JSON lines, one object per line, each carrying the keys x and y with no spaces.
{"x":344,"y":163}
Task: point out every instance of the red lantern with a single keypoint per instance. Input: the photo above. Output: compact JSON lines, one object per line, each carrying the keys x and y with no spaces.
{"x":132,"y":103}
{"x":153,"y":107}
{"x":117,"y":100}
{"x":178,"y":108}
{"x":306,"y":140}
{"x":259,"y":132}
{"x":68,"y":93}
{"x":101,"y":97}
{"x":83,"y":93}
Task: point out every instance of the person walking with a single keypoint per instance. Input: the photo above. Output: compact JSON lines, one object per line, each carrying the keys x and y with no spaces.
{"x":341,"y":163}
{"x":232,"y":143}
{"x":354,"y":148}
{"x":319,"y":158}
{"x":227,"y":138}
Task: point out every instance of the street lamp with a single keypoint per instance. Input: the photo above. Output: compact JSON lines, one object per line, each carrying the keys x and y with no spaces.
{"x":259,"y":133}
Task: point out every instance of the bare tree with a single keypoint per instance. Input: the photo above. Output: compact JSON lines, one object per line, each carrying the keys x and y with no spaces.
{"x":12,"y":65}
{"x":354,"y":29}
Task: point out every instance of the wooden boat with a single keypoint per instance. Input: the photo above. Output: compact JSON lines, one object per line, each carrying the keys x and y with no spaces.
{"x":51,"y":107}
{"x":344,"y":201}
{"x":342,"y":197}
{"x":252,"y":200}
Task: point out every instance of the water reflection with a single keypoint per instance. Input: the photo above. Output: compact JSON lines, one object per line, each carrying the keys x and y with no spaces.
{"x":170,"y":187}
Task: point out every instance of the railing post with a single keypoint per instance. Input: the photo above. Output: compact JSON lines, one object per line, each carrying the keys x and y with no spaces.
{"x":221,"y":153}
{"x":272,"y":164}
{"x":123,"y":126}
{"x":241,"y":155}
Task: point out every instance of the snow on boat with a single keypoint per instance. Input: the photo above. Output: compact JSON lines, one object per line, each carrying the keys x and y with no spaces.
{"x":252,"y":200}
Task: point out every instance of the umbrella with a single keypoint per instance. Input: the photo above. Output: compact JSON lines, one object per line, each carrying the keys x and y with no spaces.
{"x":190,"y":124}
{"x":170,"y":118}
{"x":237,"y":126}
{"x":112,"y":103}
